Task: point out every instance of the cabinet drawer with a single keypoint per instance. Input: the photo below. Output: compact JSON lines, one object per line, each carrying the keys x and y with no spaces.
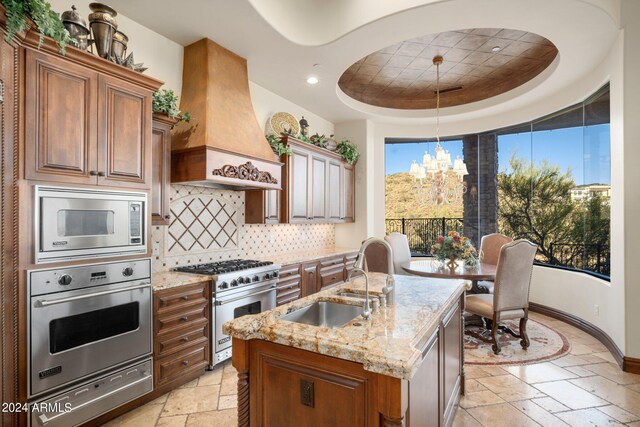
{"x":182,"y":297}
{"x":289,"y":270}
{"x":331,"y":262}
{"x":179,"y":364}
{"x":170,"y":343}
{"x":288,"y":298}
{"x":331,"y":277}
{"x":183,"y":319}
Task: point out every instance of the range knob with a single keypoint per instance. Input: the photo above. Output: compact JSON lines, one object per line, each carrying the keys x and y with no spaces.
{"x":247,"y":279}
{"x":234,"y":283}
{"x":256,"y":278}
{"x":241,"y":279}
{"x":127,"y":271}
{"x":223,"y":285}
{"x":267,"y":276}
{"x":65,"y":280}
{"x":276,"y":274}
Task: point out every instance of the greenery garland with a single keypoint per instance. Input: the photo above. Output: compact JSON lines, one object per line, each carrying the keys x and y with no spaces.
{"x":40,"y":12}
{"x":348,"y":151}
{"x":278,"y":146}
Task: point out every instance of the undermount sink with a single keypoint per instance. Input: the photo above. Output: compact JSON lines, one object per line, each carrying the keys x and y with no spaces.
{"x":352,"y":295}
{"x":324,"y":313}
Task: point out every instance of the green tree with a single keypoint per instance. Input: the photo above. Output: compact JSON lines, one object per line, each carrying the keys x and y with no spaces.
{"x":535,"y":203}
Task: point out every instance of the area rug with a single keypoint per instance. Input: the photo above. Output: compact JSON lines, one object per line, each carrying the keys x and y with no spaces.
{"x":546,"y":344}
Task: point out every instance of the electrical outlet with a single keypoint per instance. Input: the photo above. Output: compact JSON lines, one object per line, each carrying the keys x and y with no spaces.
{"x":596,"y":310}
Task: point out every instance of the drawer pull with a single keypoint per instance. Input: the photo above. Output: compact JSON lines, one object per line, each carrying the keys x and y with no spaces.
{"x":185,"y":362}
{"x":185,"y":297}
{"x":185,"y":339}
{"x":184,"y":318}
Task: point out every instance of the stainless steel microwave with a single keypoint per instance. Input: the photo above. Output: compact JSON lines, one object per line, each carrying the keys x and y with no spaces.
{"x":74,"y":223}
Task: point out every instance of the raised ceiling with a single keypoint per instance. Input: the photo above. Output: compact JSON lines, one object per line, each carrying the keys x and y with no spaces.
{"x":403,"y":76}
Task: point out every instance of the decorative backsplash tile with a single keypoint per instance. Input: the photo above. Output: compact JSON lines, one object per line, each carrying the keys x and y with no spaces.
{"x":208,"y":225}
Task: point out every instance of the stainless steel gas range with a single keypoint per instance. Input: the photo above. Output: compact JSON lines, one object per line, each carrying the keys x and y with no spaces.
{"x":240,"y":287}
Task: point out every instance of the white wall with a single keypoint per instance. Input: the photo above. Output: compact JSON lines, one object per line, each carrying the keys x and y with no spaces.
{"x":161,"y":55}
{"x":265,"y":103}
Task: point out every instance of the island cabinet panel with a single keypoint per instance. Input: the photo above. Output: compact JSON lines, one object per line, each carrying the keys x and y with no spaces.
{"x":289,"y":286}
{"x":426,"y":382}
{"x":182,"y":327}
{"x":451,"y":332}
{"x":295,"y":388}
{"x":161,"y":169}
{"x":124,"y":134}
{"x":60,"y":110}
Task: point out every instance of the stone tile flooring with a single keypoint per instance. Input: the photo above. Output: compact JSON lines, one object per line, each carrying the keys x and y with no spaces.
{"x":584,"y":388}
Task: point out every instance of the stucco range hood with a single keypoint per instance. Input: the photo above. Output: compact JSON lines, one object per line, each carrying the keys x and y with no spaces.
{"x":223,"y":146}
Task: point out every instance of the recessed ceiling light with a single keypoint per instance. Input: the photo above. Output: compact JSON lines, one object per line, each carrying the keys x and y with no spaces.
{"x":312,"y":80}
{"x":496,"y":49}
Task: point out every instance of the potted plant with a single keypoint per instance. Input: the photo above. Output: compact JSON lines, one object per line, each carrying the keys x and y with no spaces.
{"x":277,"y":145}
{"x":23,"y":14}
{"x":348,"y":151}
{"x":166,"y":102}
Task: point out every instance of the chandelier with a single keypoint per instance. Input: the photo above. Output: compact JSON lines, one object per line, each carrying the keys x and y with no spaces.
{"x":446,"y":181}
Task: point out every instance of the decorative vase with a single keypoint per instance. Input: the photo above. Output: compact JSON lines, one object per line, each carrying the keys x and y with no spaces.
{"x":452,"y":263}
{"x":103,"y":26}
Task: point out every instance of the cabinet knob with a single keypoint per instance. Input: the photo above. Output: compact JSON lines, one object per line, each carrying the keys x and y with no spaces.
{"x":185,"y":297}
{"x":93,"y":173}
{"x":184,"y":318}
{"x":185,"y":339}
{"x":167,"y":217}
{"x":102,"y":173}
{"x":185,"y":362}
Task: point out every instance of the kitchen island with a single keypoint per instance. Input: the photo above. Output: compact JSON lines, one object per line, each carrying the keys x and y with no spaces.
{"x":402,"y":367}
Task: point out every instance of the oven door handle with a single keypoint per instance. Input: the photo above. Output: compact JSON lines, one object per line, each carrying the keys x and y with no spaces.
{"x":220,"y":302}
{"x":46,"y":303}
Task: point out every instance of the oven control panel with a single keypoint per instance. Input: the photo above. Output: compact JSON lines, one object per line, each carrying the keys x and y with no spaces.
{"x":48,"y":281}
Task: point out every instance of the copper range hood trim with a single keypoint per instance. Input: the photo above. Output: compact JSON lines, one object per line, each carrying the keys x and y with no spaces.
{"x":223,"y":146}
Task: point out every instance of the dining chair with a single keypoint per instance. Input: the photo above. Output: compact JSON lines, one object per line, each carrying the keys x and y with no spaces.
{"x":490,"y":246}
{"x":510,"y":299}
{"x":401,"y":252}
{"x":375,"y":256}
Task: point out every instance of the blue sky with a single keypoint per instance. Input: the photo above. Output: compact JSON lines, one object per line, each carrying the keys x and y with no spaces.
{"x":585,"y":150}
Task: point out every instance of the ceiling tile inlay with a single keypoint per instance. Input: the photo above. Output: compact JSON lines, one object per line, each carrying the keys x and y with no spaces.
{"x":478,"y":63}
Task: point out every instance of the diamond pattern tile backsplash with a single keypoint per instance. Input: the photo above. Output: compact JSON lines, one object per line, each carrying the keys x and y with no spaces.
{"x":207,"y":225}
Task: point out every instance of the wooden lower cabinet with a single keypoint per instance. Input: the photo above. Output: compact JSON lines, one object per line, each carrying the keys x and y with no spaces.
{"x":181,"y":329}
{"x":288,"y":387}
{"x":303,"y":279}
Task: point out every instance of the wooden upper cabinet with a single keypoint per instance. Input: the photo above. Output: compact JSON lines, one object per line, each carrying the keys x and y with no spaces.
{"x":317,"y":187}
{"x":84,"y":125}
{"x":299,"y":165}
{"x":334,"y":191}
{"x":319,"y":174}
{"x":161,"y":169}
{"x":60,"y":117}
{"x":124,"y":130}
{"x":348,"y":197}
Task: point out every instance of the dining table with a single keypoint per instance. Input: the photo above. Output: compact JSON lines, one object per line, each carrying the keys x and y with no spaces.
{"x":434,"y":268}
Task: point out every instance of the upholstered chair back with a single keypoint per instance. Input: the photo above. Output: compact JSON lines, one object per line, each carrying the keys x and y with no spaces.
{"x":375,"y":257}
{"x":401,"y":252}
{"x":490,"y":246}
{"x":513,"y":275}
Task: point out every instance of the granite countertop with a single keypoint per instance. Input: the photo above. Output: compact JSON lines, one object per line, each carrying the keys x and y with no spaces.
{"x":302,"y":256}
{"x":172,"y":279}
{"x":388,"y":343}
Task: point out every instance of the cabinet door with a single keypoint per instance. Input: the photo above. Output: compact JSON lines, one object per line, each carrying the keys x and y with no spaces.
{"x":124,"y":143}
{"x":60,"y":113}
{"x":160,"y":173}
{"x":309,"y":279}
{"x":319,"y":166}
{"x":299,"y":188}
{"x":452,"y":362}
{"x":424,"y":387}
{"x":348,"y":193}
{"x":272,"y":206}
{"x":334,"y":191}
